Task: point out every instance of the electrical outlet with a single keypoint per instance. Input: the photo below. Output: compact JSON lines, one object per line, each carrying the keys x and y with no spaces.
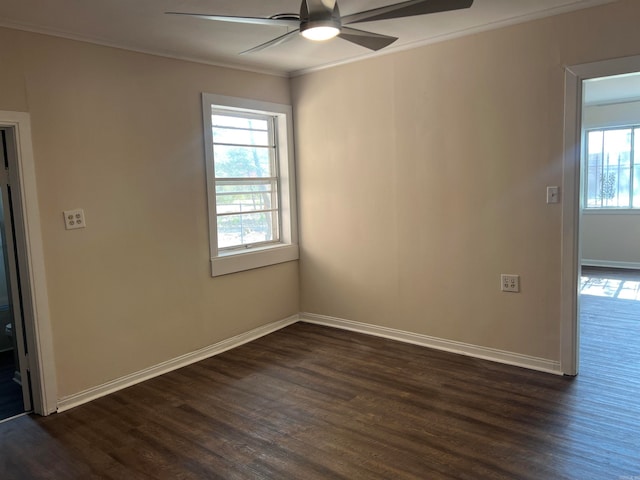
{"x":510,"y":283}
{"x":74,"y":219}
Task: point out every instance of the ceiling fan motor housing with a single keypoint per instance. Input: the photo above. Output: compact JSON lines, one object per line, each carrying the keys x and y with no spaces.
{"x":314,"y":14}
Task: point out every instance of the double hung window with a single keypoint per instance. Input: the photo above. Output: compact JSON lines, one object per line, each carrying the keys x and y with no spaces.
{"x":250,"y":183}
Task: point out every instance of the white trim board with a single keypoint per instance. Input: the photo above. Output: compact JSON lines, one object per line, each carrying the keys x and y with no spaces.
{"x":485,"y":353}
{"x":500,"y":356}
{"x":94,"y":393}
{"x":610,"y":264}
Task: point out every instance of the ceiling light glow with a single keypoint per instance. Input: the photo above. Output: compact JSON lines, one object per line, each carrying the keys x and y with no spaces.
{"x":319,"y":34}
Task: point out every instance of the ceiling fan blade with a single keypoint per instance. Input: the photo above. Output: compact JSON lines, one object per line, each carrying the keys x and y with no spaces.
{"x":406,"y":9}
{"x":370,"y":40}
{"x":279,"y":22}
{"x":274,"y":42}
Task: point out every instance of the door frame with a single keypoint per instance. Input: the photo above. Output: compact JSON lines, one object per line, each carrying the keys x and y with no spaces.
{"x":572,"y":201}
{"x":31,"y":263}
{"x":9,"y":258}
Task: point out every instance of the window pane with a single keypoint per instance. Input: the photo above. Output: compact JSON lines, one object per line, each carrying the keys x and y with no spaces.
{"x":241,"y":162}
{"x":241,"y":137}
{"x":594,"y":168}
{"x":247,"y":229}
{"x":228,"y":186}
{"x":615,"y":179}
{"x":239,"y":122}
{"x":245,"y":198}
{"x":595,"y":141}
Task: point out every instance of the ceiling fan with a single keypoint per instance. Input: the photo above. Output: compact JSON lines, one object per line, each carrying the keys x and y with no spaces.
{"x":320,"y":20}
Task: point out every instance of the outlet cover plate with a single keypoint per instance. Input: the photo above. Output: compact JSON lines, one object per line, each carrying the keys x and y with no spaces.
{"x":74,"y":219}
{"x":510,"y":283}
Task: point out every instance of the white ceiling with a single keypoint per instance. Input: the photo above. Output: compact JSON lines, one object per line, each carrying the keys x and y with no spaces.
{"x":141,"y":25}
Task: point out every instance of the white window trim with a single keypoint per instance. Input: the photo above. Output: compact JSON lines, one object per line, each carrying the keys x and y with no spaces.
{"x":232,"y":261}
{"x":611,"y":211}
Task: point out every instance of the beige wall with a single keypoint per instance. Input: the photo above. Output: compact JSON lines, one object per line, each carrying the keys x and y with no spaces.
{"x":119,"y":134}
{"x":13,"y":96}
{"x":422,"y":177}
{"x":611,"y":239}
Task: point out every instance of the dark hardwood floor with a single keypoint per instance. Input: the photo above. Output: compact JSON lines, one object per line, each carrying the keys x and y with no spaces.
{"x":311,"y":402}
{"x":10,"y":392}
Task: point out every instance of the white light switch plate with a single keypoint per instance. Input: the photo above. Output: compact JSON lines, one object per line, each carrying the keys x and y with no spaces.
{"x":74,"y":219}
{"x":553,"y":194}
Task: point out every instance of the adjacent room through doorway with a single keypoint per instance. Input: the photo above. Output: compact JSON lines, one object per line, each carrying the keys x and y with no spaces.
{"x":609,"y":285}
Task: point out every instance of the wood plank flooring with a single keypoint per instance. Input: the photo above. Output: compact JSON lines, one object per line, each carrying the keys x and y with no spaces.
{"x":311,"y":402}
{"x":10,"y":392}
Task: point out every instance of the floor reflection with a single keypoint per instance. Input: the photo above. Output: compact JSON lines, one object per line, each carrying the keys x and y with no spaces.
{"x":602,"y":285}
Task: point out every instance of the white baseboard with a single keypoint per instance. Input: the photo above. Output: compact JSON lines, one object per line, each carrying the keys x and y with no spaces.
{"x":492,"y":354}
{"x":510,"y":358}
{"x":610,"y":264}
{"x":93,"y":393}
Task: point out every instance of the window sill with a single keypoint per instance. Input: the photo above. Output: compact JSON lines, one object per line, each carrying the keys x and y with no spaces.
{"x":611,"y":211}
{"x":240,"y":261}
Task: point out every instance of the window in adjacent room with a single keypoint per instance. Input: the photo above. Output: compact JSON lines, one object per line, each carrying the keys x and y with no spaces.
{"x":612,"y":170}
{"x":250,"y":183}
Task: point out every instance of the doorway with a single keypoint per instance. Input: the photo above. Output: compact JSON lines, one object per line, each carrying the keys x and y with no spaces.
{"x":29,"y":303}
{"x":15,"y":385}
{"x":578,"y":80}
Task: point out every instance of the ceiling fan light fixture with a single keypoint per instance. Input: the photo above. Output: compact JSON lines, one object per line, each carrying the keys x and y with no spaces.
{"x":320,"y":33}
{"x":320,"y":20}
